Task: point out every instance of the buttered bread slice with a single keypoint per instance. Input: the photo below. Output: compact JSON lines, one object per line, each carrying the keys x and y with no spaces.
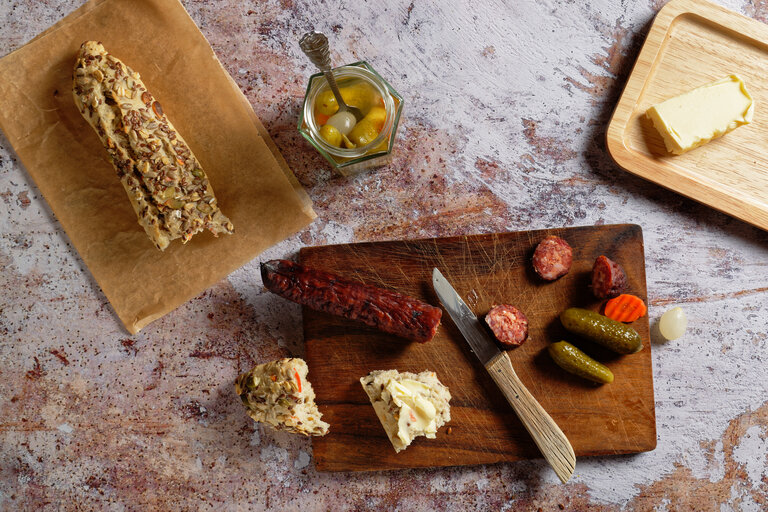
{"x":166,"y":184}
{"x":279,"y":394}
{"x":408,"y":404}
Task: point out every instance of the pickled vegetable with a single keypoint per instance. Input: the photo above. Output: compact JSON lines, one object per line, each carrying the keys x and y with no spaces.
{"x":574,"y":361}
{"x":601,"y":329}
{"x":377,"y":116}
{"x":358,"y":94}
{"x":625,"y":308}
{"x":348,"y":143}
{"x":342,"y":121}
{"x":331,"y":135}
{"x":361,"y":95}
{"x":673,"y":323}
{"x":369,"y":127}
{"x":326,"y":104}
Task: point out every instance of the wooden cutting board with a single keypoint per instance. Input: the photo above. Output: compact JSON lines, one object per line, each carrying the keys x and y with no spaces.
{"x":485,"y":270}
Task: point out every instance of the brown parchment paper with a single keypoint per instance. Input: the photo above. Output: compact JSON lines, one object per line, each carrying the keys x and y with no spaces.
{"x":254,"y":186}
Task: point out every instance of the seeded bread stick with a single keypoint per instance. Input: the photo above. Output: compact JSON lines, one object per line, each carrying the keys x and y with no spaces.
{"x":166,"y":184}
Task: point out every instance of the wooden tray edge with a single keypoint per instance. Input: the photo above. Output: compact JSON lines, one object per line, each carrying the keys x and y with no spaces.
{"x":643,"y":166}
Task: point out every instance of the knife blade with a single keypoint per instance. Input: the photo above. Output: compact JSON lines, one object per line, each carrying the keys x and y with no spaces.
{"x":465,"y":319}
{"x":551,"y":441}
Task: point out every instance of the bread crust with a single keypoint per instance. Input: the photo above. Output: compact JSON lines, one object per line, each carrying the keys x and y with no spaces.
{"x":279,"y":394}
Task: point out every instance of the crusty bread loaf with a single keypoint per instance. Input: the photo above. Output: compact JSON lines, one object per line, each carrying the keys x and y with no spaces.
{"x":166,"y":184}
{"x":407,"y":404}
{"x":278,"y":394}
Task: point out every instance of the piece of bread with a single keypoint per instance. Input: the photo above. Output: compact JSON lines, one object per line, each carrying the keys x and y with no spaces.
{"x":408,"y":404}
{"x":166,"y":184}
{"x":279,"y":394}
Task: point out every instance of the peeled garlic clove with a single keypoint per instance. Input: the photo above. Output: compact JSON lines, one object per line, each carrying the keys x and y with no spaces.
{"x":673,"y":323}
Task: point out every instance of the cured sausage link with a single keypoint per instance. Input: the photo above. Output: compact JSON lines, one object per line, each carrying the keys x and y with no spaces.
{"x":383,"y":309}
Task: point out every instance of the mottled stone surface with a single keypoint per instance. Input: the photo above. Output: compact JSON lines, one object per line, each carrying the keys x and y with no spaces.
{"x":506,"y":109}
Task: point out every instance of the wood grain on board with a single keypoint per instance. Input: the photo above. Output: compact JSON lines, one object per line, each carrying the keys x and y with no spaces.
{"x":485,"y":270}
{"x":691,"y":43}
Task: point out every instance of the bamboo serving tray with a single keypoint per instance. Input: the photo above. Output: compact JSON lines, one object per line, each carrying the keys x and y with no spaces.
{"x":693,"y":42}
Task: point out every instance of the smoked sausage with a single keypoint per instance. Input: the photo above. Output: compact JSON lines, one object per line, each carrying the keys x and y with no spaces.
{"x":509,"y":324}
{"x":383,"y":309}
{"x":552,"y":258}
{"x":608,"y":278}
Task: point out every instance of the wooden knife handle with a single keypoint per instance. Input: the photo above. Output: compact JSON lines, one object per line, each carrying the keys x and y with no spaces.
{"x":555,"y":447}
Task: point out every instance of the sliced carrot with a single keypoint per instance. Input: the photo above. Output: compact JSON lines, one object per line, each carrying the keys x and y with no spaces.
{"x":320,"y":118}
{"x":625,"y":308}
{"x":298,"y":379}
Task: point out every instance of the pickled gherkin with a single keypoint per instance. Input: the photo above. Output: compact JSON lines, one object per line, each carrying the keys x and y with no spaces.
{"x":574,"y":361}
{"x":601,"y":329}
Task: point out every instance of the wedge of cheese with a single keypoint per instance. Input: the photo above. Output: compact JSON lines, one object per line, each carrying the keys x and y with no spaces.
{"x":705,"y":113}
{"x":408,"y":404}
{"x":278,"y":394}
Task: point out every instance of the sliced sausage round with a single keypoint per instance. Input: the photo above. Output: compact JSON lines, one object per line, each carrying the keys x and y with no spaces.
{"x":509,"y":324}
{"x":608,"y":278}
{"x":552,"y":258}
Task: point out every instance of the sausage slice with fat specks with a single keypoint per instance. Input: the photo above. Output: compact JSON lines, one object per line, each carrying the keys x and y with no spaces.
{"x":608,"y":278}
{"x":383,"y":309}
{"x":552,"y":258}
{"x":509,"y":324}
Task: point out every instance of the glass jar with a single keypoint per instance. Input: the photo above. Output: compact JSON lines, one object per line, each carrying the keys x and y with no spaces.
{"x":377,"y":152}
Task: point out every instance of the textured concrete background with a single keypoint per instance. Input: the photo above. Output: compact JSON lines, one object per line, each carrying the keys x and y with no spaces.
{"x":506,"y":107}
